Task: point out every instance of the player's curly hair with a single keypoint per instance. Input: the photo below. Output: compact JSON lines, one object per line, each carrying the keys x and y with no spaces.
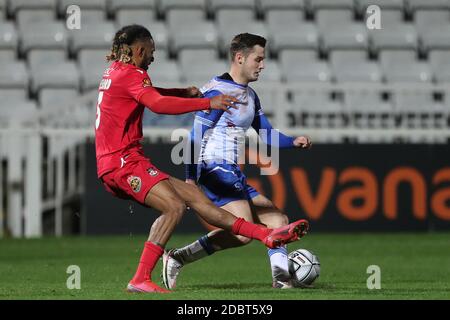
{"x":245,"y":42}
{"x":124,"y":38}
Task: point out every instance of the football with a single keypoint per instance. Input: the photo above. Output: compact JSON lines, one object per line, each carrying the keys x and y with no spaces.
{"x":304,"y":267}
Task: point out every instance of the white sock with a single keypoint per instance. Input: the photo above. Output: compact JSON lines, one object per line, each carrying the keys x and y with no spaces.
{"x":194,"y":251}
{"x":279,"y":263}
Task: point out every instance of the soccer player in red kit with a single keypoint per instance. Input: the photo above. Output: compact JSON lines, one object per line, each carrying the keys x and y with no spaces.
{"x":124,"y":92}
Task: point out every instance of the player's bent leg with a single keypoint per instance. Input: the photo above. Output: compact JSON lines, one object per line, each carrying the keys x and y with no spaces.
{"x":267,"y":213}
{"x":222,"y":239}
{"x":163,"y":198}
{"x":218,"y":217}
{"x":216,"y":240}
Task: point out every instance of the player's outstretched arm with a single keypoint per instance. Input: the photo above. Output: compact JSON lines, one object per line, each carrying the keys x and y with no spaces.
{"x":158,"y":103}
{"x":190,"y":92}
{"x":303,"y":142}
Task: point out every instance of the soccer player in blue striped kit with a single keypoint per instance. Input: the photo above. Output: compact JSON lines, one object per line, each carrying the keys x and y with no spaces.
{"x":222,"y":137}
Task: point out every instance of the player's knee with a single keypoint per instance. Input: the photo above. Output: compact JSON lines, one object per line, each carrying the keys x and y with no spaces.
{"x":279,"y":220}
{"x":176,"y":210}
{"x":284,"y":220}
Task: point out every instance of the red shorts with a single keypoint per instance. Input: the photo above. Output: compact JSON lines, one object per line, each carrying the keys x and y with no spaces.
{"x":134,"y":179}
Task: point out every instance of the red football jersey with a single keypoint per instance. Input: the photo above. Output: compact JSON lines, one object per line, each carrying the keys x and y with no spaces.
{"x":118,"y":125}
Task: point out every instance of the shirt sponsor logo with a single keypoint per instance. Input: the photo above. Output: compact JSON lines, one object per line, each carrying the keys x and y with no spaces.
{"x":135,"y":183}
{"x":146,"y":82}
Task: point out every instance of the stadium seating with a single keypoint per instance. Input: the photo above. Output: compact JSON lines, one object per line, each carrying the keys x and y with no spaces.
{"x":14,"y":74}
{"x":310,"y":42}
{"x":83,"y":4}
{"x":92,"y":64}
{"x":115,"y":5}
{"x":43,"y":35}
{"x":362,"y":5}
{"x":8,"y":36}
{"x":439,"y":61}
{"x":265,"y":5}
{"x":130,"y":16}
{"x":166,"y":5}
{"x":15,"y":5}
{"x":97,"y":36}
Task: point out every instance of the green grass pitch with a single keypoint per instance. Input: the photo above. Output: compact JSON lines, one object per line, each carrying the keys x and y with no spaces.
{"x":413,"y":266}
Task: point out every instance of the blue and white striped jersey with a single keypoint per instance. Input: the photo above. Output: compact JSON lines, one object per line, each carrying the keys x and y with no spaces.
{"x":221,"y":135}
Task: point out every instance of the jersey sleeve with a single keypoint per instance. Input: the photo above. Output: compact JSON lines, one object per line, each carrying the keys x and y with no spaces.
{"x":138,"y":83}
{"x":202,"y":122}
{"x":268,"y":134}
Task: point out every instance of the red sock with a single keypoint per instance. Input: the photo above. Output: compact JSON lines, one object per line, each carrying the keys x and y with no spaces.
{"x":249,"y":230}
{"x":149,"y":258}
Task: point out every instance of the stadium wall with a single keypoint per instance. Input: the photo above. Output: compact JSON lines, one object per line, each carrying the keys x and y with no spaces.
{"x":338,"y":187}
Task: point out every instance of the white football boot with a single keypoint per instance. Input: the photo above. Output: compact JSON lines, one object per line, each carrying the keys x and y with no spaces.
{"x":281,"y":279}
{"x":171,"y":269}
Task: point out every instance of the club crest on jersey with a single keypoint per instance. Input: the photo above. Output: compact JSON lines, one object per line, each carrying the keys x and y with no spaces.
{"x":152,"y":172}
{"x":135,"y":183}
{"x":146,"y":82}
